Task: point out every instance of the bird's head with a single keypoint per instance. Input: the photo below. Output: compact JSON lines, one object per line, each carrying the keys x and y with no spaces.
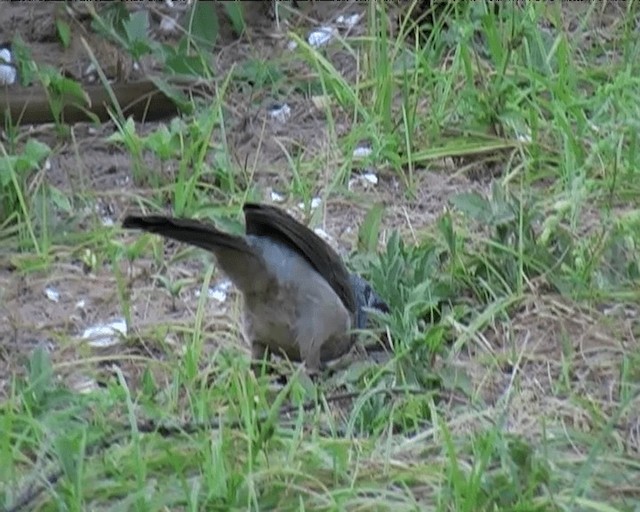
{"x":366,"y":299}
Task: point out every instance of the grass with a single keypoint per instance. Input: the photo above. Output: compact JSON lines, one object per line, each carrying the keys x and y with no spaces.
{"x":503,"y":233}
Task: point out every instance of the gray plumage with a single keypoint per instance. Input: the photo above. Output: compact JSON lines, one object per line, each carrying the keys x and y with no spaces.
{"x":366,"y":298}
{"x":299,"y":299}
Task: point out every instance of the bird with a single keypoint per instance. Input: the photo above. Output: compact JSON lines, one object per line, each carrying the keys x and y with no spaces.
{"x":300,"y":301}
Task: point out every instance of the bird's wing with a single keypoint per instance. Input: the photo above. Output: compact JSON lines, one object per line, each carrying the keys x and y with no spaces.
{"x":272,"y":222}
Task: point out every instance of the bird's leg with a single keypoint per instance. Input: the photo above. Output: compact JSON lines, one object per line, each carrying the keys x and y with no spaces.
{"x":310,"y":355}
{"x":320,"y":374}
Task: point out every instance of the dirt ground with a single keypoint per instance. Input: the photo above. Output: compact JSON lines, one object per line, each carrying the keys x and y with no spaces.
{"x":88,"y":166}
{"x":31,"y":315}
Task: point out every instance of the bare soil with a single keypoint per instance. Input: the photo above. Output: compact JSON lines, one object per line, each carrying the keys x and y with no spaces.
{"x":544,"y":333}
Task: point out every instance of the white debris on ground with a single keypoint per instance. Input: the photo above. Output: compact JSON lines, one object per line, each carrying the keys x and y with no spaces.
{"x":218,"y":292}
{"x":276,"y":197}
{"x":105,"y":335}
{"x":280,"y":112}
{"x":169,"y":25}
{"x":52,"y":294}
{"x":366,"y":178}
{"x":315,"y":202}
{"x":8,"y":72}
{"x":362,"y":151}
{"x":371,"y":177}
{"x":349,"y":21}
{"x":84,"y":384}
{"x":321,"y":36}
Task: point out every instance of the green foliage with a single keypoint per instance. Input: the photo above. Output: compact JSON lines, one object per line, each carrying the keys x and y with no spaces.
{"x":369,"y":230}
{"x":189,"y":57}
{"x":202,"y":26}
{"x":468,"y":411}
{"x":15,"y":173}
{"x":187,"y":142}
{"x":126,"y":28}
{"x":64,"y":32}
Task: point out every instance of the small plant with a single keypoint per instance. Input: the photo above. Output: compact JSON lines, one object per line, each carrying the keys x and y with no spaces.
{"x":16,"y":172}
{"x":131,"y":31}
{"x":127,"y":136}
{"x":63,"y":92}
{"x":420,"y":292}
{"x":514,"y":252}
{"x":186,"y":146}
{"x":173,"y":287}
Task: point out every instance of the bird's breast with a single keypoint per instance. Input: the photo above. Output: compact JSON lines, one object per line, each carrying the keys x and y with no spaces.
{"x":272,"y":321}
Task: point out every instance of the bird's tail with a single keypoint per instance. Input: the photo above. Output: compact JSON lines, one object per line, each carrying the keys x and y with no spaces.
{"x":190,"y":231}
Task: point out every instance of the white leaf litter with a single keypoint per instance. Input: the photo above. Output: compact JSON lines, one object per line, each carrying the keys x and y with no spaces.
{"x":90,"y":70}
{"x":362,"y":152}
{"x":105,"y":335}
{"x":8,"y":73}
{"x":52,"y":294}
{"x":84,"y":385}
{"x":179,"y":6}
{"x":349,"y":21}
{"x":217,"y":292}
{"x":370,"y":177}
{"x":366,"y":178}
{"x":168,"y":25}
{"x":276,"y":197}
{"x":321,"y":36}
{"x":280,"y":112}
{"x":315,"y":202}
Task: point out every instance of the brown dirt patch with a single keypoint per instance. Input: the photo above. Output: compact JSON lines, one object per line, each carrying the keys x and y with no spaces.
{"x":520,"y":363}
{"x":84,"y":165}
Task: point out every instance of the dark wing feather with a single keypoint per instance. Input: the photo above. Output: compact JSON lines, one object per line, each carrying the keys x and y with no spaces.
{"x":269,"y":221}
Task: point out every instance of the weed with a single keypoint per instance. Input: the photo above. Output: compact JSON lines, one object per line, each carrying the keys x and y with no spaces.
{"x":502,"y":230}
